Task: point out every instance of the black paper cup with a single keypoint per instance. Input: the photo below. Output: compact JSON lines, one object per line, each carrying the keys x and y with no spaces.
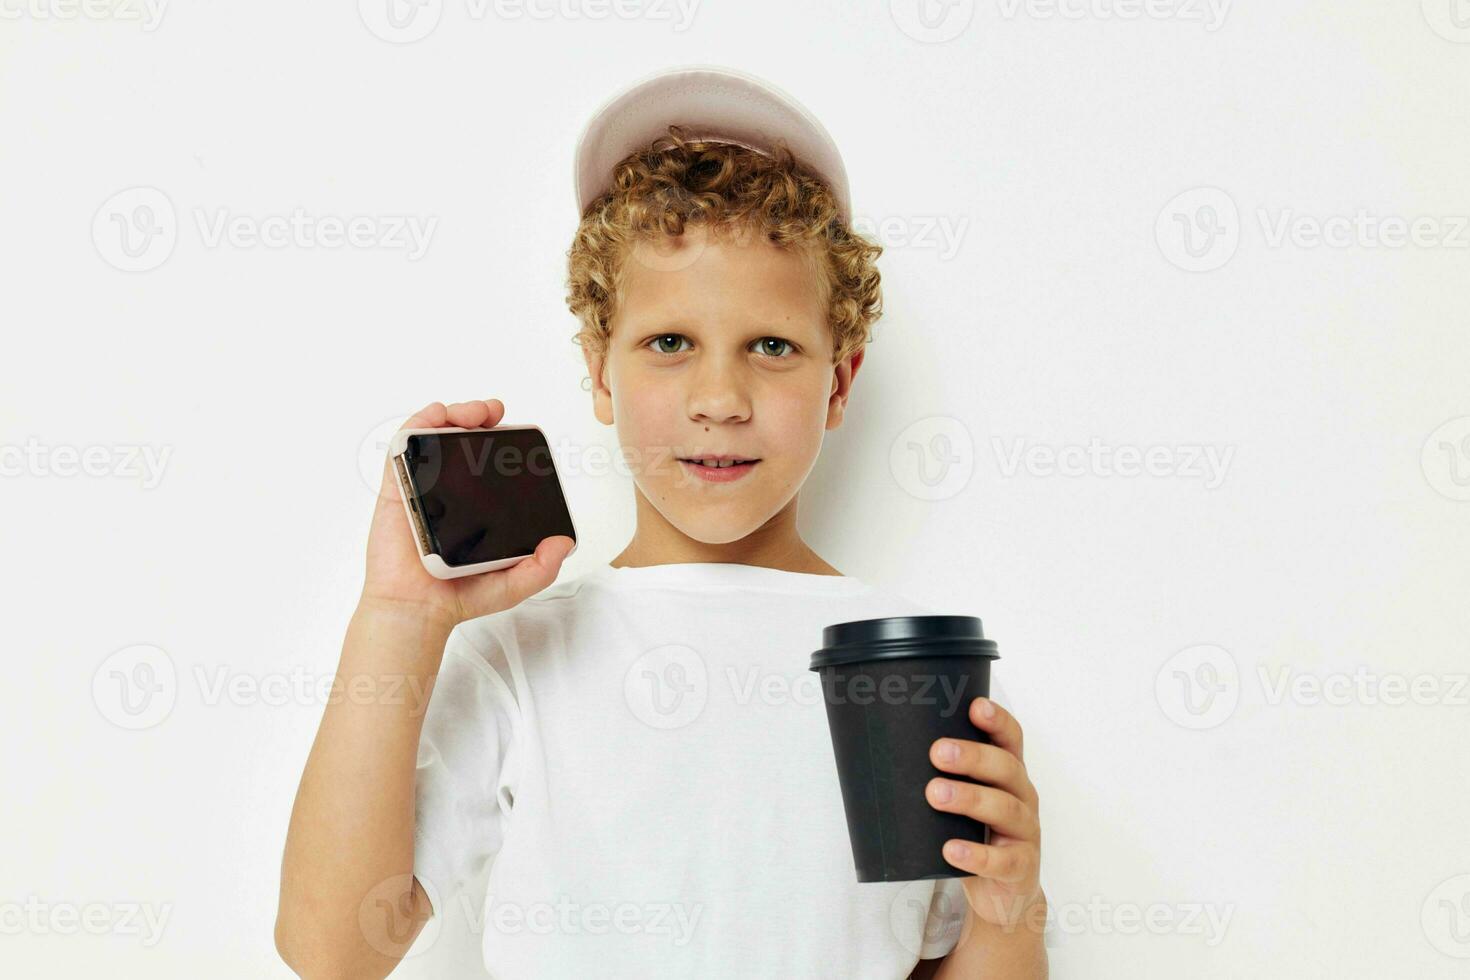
{"x":892,"y":686}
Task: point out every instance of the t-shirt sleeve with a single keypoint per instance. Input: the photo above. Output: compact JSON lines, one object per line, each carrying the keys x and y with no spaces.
{"x":950,"y":906}
{"x":946,"y":919}
{"x":462,"y":792}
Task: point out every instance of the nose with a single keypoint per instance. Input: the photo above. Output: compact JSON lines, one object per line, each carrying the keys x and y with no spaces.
{"x":719,"y":392}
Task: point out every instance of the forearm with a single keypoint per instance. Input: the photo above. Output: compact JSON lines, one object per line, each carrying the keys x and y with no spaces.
{"x":351,"y":830}
{"x":986,"y":951}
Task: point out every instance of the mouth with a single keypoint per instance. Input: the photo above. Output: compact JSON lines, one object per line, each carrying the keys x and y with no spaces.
{"x":719,"y":469}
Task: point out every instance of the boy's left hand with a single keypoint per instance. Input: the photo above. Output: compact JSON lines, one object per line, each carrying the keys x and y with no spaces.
{"x":1007,"y":871}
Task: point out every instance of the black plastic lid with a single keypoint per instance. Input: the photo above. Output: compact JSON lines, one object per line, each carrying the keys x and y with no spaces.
{"x":902,"y":636}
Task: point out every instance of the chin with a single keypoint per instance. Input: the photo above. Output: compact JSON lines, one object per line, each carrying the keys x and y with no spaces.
{"x":711,"y":529}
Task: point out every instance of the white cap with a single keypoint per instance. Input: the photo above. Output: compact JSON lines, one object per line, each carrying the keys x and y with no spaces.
{"x":711,"y":103}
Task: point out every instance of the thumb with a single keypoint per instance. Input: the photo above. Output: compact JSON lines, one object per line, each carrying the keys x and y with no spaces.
{"x":530,"y":575}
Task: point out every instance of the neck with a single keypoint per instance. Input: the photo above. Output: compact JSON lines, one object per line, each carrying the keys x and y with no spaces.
{"x":775,"y":544}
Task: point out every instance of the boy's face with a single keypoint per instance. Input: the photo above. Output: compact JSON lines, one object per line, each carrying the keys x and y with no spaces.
{"x":720,"y":346}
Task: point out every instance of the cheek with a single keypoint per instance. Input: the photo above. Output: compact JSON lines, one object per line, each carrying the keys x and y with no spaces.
{"x":795,"y":420}
{"x":646,"y":417}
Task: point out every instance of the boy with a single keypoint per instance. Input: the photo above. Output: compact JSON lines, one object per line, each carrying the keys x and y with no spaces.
{"x":635,"y":755}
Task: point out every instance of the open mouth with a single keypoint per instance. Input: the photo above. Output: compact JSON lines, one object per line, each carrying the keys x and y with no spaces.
{"x":714,"y":462}
{"x":719,"y":469}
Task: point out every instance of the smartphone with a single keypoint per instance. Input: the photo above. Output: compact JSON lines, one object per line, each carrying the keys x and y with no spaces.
{"x":478,"y":499}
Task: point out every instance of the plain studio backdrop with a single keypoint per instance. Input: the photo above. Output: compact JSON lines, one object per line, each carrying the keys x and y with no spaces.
{"x":1170,"y":390}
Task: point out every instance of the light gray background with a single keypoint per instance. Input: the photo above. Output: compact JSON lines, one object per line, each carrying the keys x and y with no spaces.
{"x":1032,"y":176}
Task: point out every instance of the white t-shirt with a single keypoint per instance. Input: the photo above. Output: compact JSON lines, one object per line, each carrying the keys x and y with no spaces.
{"x":642,"y":756}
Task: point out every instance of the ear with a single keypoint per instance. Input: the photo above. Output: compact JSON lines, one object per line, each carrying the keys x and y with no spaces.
{"x":601,"y":393}
{"x":843,"y":374}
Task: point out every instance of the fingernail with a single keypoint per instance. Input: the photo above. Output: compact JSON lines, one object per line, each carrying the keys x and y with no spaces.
{"x":948,"y":751}
{"x":957,"y":850}
{"x":943,"y":792}
{"x":987,"y":707}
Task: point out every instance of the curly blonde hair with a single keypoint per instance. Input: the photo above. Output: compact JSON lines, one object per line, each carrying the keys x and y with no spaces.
{"x":725,"y":188}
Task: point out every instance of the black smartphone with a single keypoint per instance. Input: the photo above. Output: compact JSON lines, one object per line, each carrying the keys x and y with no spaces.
{"x":479,"y":499}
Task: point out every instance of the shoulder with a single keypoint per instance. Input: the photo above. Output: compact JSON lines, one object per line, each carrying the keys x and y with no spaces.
{"x":487,"y":637}
{"x":896,"y":602}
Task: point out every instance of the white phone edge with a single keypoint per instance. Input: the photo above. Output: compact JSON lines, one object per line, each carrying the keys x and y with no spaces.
{"x":433,"y":563}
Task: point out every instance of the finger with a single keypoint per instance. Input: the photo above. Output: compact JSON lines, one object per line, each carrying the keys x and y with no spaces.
{"x":1002,"y":727}
{"x":431,"y":416}
{"x":989,"y":764}
{"x":476,"y":414}
{"x":1009,"y":864}
{"x":1001,"y":810}
{"x":529,"y":575}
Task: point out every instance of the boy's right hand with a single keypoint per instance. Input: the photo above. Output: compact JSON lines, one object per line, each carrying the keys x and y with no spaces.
{"x":396,"y":576}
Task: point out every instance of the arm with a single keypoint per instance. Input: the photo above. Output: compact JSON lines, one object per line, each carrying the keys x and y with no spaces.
{"x":349,"y":904}
{"x":349,"y":848}
{"x":988,"y":950}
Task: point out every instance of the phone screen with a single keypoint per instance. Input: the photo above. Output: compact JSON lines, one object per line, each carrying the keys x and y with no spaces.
{"x":487,"y":495}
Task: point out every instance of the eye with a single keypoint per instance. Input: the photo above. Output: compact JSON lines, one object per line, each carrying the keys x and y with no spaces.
{"x":668,"y":336}
{"x":774,"y":340}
